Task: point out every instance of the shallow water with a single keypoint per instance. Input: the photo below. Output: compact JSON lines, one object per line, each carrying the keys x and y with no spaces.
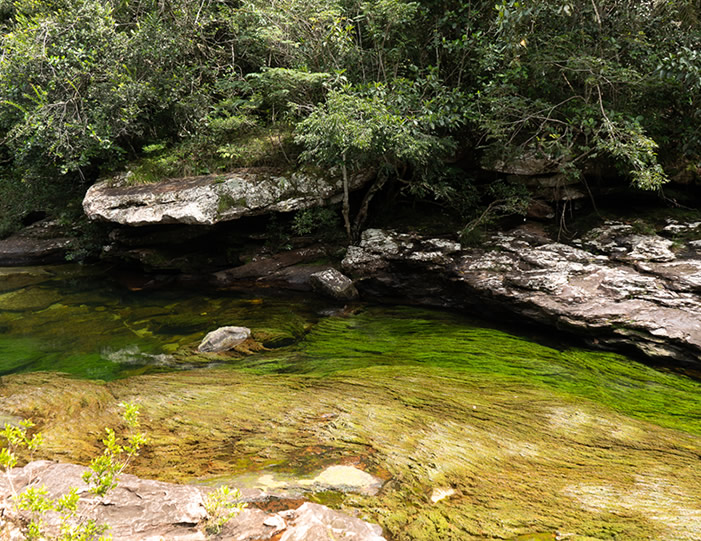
{"x":527,"y":434}
{"x":84,"y":322}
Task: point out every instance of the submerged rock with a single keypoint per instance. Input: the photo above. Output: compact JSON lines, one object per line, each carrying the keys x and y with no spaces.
{"x":334,"y":284}
{"x":337,"y":478}
{"x":212,"y":199}
{"x":224,"y":339}
{"x":632,"y":291}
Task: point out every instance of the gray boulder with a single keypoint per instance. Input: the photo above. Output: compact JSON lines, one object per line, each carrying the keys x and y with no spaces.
{"x":212,"y":199}
{"x":224,"y":339}
{"x":334,"y":284}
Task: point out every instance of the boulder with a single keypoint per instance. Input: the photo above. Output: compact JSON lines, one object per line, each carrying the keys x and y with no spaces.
{"x":334,"y":284}
{"x":224,"y":339}
{"x":211,"y":199}
{"x":621,"y":289}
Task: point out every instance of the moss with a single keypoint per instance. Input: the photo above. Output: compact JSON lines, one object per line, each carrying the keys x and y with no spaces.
{"x":261,"y":146}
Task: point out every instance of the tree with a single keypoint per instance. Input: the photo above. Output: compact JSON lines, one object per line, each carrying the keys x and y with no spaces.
{"x":354,"y":131}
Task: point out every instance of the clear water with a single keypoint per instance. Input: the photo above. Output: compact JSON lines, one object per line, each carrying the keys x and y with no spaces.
{"x":83,"y":322}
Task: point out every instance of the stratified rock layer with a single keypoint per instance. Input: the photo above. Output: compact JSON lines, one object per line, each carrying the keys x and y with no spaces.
{"x":211,"y":199}
{"x":624,"y":289}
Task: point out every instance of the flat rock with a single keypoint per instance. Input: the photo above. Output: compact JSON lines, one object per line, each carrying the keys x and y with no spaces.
{"x":18,"y":277}
{"x":211,"y":199}
{"x":141,"y":510}
{"x":224,"y":339}
{"x":39,"y":244}
{"x":616,"y":286}
{"x":136,"y":510}
{"x":28,"y":299}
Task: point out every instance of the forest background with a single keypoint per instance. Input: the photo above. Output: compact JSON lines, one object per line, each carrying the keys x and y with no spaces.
{"x":422,"y":91}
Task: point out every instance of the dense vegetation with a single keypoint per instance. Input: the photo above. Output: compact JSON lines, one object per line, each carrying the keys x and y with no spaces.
{"x":422,"y":90}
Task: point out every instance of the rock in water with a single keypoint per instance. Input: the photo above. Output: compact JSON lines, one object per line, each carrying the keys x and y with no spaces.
{"x":332,"y":283}
{"x":224,"y":339}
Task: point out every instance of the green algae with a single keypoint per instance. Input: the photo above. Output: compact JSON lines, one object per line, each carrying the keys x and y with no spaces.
{"x":407,"y":337}
{"x":88,"y":326}
{"x":528,"y":437}
{"x":519,"y":458}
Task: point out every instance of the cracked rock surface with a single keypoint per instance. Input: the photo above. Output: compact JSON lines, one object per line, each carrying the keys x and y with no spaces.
{"x":615,"y":286}
{"x":211,"y":199}
{"x":141,"y":509}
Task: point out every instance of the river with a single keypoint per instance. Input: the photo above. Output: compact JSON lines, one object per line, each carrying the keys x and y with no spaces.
{"x":476,"y":432}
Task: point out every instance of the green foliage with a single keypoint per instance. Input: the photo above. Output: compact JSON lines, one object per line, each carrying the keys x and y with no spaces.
{"x":186,"y":88}
{"x":103,"y":473}
{"x":102,"y":476}
{"x":323,"y":221}
{"x":222,"y":505}
{"x":501,"y":199}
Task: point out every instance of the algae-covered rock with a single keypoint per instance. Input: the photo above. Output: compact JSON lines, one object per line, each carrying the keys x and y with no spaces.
{"x":18,"y":277}
{"x":28,"y":299}
{"x":275,"y":338}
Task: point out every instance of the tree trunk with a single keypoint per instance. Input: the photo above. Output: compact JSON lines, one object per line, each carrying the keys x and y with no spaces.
{"x":363,"y":212}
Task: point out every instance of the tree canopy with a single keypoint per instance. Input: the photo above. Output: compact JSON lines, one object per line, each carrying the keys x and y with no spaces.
{"x":88,"y":87}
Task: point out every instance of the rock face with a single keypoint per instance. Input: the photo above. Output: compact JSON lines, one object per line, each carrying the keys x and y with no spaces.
{"x":136,"y":510}
{"x":334,"y":284}
{"x":41,"y":243}
{"x":224,"y":339}
{"x":617,"y":287}
{"x":211,"y":199}
{"x":314,"y":521}
{"x":142,"y":510}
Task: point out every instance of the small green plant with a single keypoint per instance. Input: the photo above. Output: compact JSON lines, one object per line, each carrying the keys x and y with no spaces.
{"x":103,"y":473}
{"x":222,"y":505}
{"x":102,"y":476}
{"x":315,"y":220}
